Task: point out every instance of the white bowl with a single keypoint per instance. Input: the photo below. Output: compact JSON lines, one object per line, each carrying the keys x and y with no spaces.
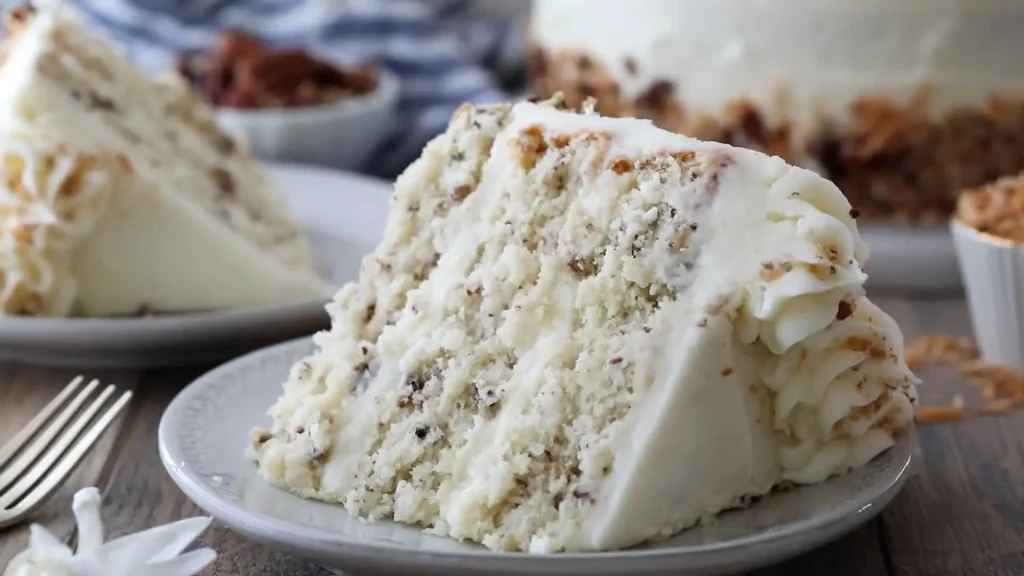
{"x":339,"y":135}
{"x":993,"y":276}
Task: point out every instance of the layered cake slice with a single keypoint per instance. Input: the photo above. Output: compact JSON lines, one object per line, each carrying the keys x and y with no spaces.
{"x":581,"y":333}
{"x":119,"y":194}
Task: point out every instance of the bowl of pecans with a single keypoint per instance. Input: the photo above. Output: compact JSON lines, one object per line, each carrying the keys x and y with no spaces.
{"x":988,"y":234}
{"x":291,"y":105}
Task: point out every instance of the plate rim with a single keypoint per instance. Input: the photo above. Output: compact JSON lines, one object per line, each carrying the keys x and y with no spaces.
{"x":773,"y":543}
{"x":129,"y":325}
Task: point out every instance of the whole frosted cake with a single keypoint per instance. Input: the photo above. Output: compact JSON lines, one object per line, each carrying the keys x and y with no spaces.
{"x":901,"y":103}
{"x":119,"y":194}
{"x":580,"y":333}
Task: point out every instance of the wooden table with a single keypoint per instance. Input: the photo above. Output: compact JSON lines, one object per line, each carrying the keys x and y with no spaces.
{"x":961,"y":513}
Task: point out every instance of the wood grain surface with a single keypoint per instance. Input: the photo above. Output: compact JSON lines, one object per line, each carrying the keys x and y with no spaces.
{"x":962,"y":511}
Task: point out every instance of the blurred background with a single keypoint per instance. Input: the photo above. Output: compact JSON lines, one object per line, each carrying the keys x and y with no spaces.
{"x":903,"y":105}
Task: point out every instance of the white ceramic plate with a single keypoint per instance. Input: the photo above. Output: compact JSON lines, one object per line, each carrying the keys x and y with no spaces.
{"x":919,"y":260}
{"x":342,"y":213}
{"x":204,"y":432}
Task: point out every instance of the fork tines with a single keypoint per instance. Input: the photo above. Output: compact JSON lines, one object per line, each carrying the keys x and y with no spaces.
{"x":38,"y":459}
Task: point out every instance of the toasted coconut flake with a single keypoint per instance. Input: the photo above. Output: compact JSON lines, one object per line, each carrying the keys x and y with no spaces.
{"x":928,"y":414}
{"x":939,"y":349}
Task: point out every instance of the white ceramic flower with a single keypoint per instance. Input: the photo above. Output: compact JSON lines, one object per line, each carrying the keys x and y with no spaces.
{"x":153,"y":552}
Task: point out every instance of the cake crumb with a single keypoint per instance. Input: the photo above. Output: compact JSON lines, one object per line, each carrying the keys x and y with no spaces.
{"x":958,"y":401}
{"x":1001,"y":388}
{"x":929,"y":414}
{"x":997,"y":407}
{"x":996,"y":381}
{"x":939,"y":349}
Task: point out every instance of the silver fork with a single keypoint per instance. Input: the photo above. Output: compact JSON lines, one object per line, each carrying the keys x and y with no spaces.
{"x":35,"y":463}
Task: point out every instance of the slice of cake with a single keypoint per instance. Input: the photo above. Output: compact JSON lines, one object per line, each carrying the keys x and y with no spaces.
{"x":119,"y":194}
{"x":581,"y":333}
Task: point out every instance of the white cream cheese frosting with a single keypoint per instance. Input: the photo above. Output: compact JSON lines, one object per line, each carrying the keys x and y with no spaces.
{"x":121,"y":195}
{"x":581,"y":333}
{"x":796,"y":58}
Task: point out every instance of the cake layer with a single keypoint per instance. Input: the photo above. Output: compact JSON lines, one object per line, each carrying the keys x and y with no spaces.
{"x":181,"y":217}
{"x":903,"y":104}
{"x":580,"y":333}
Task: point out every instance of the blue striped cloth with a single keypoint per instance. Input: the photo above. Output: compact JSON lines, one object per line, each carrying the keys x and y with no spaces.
{"x":445,"y":52}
